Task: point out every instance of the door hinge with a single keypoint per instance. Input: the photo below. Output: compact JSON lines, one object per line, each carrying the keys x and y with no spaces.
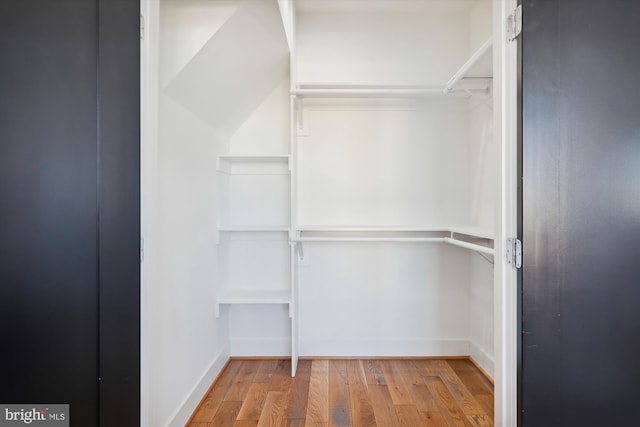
{"x":514,"y":24}
{"x":141,"y":27}
{"x":142,"y":249}
{"x":513,"y":252}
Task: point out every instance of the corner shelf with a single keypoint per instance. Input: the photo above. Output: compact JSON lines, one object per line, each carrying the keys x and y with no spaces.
{"x":248,"y":296}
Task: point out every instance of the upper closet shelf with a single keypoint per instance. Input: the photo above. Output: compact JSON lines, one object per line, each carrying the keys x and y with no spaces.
{"x":478,"y":66}
{"x":248,"y":164}
{"x":319,"y":90}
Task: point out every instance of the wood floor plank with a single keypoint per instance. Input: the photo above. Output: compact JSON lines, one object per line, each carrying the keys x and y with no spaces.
{"x":427,"y":368}
{"x":298,"y":395}
{"x":477,"y":384}
{"x":198,"y":424}
{"x":480,"y":420}
{"x":473,"y":379}
{"x":254,"y":402}
{"x":448,"y":405}
{"x":245,"y":423}
{"x":486,"y":401}
{"x":210,"y":405}
{"x":383,"y":406}
{"x":399,"y":391}
{"x":465,"y":399}
{"x":423,"y":399}
{"x":266,"y":371}
{"x":318,"y":404}
{"x":373,"y":372}
{"x":408,"y":416}
{"x":226,"y":414}
{"x":242,"y":382}
{"x":362,"y":414}
{"x":281,"y":380}
{"x":420,"y":395}
{"x":273,"y":410}
{"x":433,"y":419}
{"x":339,"y":403}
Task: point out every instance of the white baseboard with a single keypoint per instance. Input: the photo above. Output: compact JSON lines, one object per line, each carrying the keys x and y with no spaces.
{"x":260,"y":347}
{"x":385,"y":347}
{"x":190,"y":403}
{"x":482,"y":358}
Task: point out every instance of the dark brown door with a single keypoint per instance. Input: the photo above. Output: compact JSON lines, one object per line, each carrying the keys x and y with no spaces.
{"x":580,"y":213}
{"x":69,"y":207}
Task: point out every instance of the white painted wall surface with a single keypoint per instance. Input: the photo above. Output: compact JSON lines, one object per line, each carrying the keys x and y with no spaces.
{"x":484,"y":168}
{"x":368,"y":163}
{"x":190,"y":349}
{"x":390,"y":47}
{"x":383,"y":299}
{"x":184,"y":345}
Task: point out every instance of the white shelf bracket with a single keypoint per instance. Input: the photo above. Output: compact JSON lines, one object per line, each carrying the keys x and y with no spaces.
{"x":300,"y":251}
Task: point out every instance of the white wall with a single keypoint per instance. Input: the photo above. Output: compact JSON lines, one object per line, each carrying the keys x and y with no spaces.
{"x":184,"y":345}
{"x":383,"y":163}
{"x":368,"y":163}
{"x":383,"y":299}
{"x":380,"y":48}
{"x":484,"y":184}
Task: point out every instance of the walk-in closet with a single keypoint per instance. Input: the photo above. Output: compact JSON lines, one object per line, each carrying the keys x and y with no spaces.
{"x":348,"y":171}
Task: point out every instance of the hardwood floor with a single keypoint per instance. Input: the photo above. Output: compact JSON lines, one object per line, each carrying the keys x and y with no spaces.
{"x":356,"y":393}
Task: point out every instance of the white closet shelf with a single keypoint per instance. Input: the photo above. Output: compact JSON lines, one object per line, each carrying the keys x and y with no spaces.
{"x":250,"y":296}
{"x":478,"y":66}
{"x":475,"y":239}
{"x":249,"y":164}
{"x":323,"y":90}
{"x":372,"y":239}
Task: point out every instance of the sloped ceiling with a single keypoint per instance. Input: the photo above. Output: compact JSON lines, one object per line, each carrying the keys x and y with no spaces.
{"x":227,"y":79}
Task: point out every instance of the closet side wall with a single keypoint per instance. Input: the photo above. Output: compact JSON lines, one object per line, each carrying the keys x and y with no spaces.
{"x":187,"y":344}
{"x":484,"y":170}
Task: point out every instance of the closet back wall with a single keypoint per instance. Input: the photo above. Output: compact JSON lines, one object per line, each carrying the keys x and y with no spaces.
{"x":383,"y":163}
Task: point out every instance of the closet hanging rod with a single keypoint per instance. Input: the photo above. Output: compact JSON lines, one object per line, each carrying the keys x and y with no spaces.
{"x":475,"y":58}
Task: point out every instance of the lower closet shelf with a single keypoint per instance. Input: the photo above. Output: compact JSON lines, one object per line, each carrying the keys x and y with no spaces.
{"x":252,"y":297}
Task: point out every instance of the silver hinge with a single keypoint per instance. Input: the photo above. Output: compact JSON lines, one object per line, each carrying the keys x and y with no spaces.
{"x":514,"y":24}
{"x":141,"y":27}
{"x":513,"y":252}
{"x":142,"y":249}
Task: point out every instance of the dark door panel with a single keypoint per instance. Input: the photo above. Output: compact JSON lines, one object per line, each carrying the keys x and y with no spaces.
{"x":581,"y":212}
{"x":69,"y":207}
{"x":48,"y":234}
